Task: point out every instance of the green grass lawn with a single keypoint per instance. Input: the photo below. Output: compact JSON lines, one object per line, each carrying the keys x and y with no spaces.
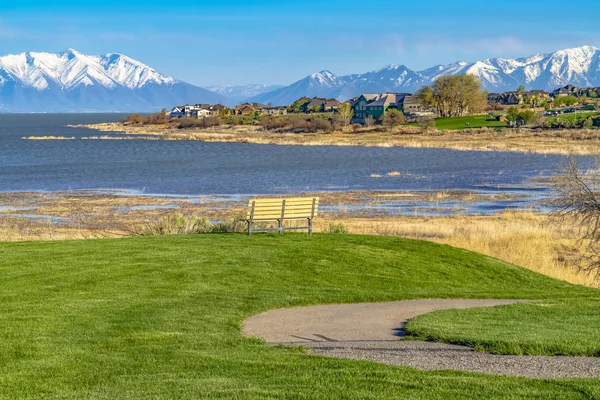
{"x":474,"y":121}
{"x":524,"y":329}
{"x":159,"y":317}
{"x":573,"y":116}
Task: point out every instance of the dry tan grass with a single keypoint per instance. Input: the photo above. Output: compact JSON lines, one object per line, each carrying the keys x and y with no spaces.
{"x":583,"y":142}
{"x":521,"y":238}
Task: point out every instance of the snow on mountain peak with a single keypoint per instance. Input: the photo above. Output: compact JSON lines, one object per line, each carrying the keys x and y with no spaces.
{"x":70,"y":69}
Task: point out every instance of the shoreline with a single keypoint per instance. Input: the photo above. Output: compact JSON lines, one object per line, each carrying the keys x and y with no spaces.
{"x":522,"y":237}
{"x":576,"y":142}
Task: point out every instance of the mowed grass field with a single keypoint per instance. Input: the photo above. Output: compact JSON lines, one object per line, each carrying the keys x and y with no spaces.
{"x":472,"y":121}
{"x":573,"y":116}
{"x":159,"y":317}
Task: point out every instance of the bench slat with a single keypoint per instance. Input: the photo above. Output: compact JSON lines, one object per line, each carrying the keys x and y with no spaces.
{"x":287,"y":212}
{"x":278,"y":202}
{"x":271,"y":208}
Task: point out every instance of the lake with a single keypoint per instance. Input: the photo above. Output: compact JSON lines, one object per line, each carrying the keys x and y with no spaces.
{"x":192,"y":167}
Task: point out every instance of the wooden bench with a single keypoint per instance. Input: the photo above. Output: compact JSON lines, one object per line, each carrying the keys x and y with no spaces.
{"x":281,"y":210}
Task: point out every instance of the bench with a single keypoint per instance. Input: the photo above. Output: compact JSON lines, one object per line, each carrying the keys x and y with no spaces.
{"x":280,"y":210}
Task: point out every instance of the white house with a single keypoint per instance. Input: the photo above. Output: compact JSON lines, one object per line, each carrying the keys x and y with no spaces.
{"x":176,"y":112}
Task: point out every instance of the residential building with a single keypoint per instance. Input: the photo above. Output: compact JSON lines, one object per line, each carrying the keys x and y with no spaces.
{"x":280,"y":110}
{"x":376,"y":105}
{"x":319,"y":104}
{"x":245,"y":109}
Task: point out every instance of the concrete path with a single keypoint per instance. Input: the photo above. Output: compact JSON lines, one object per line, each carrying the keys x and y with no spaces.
{"x":370,"y":331}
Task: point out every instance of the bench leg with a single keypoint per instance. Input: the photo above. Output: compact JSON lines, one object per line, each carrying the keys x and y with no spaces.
{"x":249,"y":228}
{"x":280,"y":226}
{"x":310,"y":226}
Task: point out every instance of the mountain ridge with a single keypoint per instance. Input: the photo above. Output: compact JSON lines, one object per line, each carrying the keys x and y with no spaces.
{"x":71,"y":81}
{"x":579,"y":66}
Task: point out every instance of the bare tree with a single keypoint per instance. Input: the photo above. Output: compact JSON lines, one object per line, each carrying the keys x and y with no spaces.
{"x":369,"y":121}
{"x":577,"y":201}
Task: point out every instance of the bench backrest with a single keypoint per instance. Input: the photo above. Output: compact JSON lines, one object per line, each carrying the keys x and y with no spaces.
{"x":291,"y":208}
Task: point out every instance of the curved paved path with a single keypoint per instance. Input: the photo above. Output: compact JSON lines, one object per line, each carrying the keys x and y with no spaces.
{"x":370,"y":331}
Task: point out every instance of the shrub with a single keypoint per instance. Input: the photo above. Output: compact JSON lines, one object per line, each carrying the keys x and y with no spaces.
{"x":356,"y":128}
{"x":426,"y":123}
{"x":270,"y":123}
{"x":338,"y":228}
{"x":394,"y":118}
{"x":179,"y":224}
{"x":133,"y":119}
{"x":321,"y":125}
{"x":208,"y":122}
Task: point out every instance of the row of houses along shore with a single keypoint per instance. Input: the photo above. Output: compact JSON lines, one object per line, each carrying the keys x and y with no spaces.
{"x":371,"y":105}
{"x":365,"y":105}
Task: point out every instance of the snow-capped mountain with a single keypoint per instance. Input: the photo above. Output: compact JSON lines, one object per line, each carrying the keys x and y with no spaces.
{"x":71,"y":81}
{"x":324,"y":84}
{"x":242,"y":92}
{"x":577,"y":66}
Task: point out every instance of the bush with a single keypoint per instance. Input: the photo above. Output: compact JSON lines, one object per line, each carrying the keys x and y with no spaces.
{"x":179,"y":224}
{"x":393,"y":118}
{"x":321,"y":125}
{"x":133,"y":119}
{"x":426,"y":123}
{"x":338,"y":228}
{"x":270,"y":123}
{"x":208,"y":122}
{"x":356,"y":128}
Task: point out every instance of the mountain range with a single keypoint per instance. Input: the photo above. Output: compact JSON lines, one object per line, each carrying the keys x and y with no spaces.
{"x":74,"y":82}
{"x":241,"y":93}
{"x":577,"y":66}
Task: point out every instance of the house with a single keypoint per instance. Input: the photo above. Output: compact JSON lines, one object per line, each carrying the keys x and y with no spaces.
{"x":494,"y":98}
{"x":176,"y":112}
{"x":568,"y":90}
{"x":215,"y":109}
{"x":376,"y":105}
{"x":200,"y":113}
{"x":281,"y":110}
{"x":245,"y":109}
{"x":319,"y":104}
{"x":412,"y":106}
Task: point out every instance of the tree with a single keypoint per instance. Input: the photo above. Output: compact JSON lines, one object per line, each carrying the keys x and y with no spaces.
{"x":454,"y":95}
{"x":517,"y":117}
{"x":369,"y":121}
{"x":577,"y":202}
{"x":345,"y":113}
{"x":393,"y":118}
{"x":593,"y":95}
{"x":565,"y":101}
{"x":521,"y":89}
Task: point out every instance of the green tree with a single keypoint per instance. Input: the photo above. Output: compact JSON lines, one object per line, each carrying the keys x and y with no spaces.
{"x":393,"y":118}
{"x":588,"y":123}
{"x":454,"y":95}
{"x":517,"y":117}
{"x":521,"y":89}
{"x":565,"y":101}
{"x":345,"y":113}
{"x":593,"y":95}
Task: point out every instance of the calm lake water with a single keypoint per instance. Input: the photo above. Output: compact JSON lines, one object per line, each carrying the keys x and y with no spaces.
{"x":192,"y":168}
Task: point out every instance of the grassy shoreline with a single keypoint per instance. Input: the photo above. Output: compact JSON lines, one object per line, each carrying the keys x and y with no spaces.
{"x":580,"y":142}
{"x":523,"y":238}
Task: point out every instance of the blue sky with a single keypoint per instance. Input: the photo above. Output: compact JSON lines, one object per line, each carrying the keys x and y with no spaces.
{"x":241,"y":42}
